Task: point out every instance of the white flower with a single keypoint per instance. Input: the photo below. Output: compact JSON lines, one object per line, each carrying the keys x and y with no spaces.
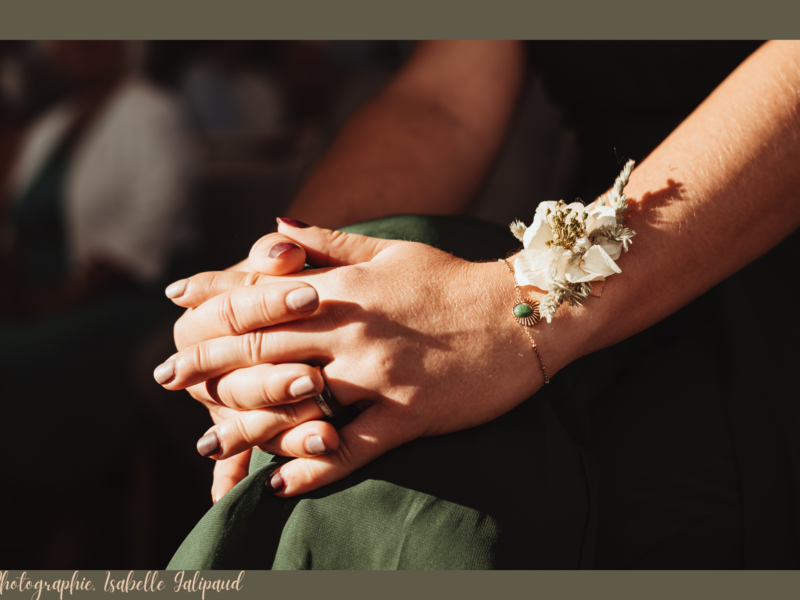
{"x":536,"y":269}
{"x":595,"y":265}
{"x":603,"y":216}
{"x":600,"y":216}
{"x":538,"y":262}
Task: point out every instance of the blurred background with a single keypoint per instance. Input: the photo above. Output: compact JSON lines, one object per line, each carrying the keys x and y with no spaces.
{"x":123,"y":167}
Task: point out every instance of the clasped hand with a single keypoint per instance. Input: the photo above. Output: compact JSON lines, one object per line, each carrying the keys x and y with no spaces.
{"x":418,"y":340}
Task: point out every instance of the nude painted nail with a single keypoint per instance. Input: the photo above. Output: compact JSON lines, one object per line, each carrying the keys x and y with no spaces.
{"x":165,"y":373}
{"x":176,"y":289}
{"x":302,"y":387}
{"x":280,"y":248}
{"x":275,"y":483}
{"x":292,"y":223}
{"x":315,"y":445}
{"x":208,"y":445}
{"x":304,"y":299}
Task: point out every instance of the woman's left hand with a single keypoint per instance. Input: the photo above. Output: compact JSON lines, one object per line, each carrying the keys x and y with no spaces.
{"x":421,"y":340}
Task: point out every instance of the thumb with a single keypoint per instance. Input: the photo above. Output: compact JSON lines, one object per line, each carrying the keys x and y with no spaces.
{"x":324,"y":247}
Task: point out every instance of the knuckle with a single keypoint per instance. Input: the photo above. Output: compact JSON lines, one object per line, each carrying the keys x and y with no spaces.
{"x":380,"y":361}
{"x":290,"y":414}
{"x":227,"y":315}
{"x":252,"y":346}
{"x":223,"y":393}
{"x":197,"y":359}
{"x":244,"y":431}
{"x":266,"y":305}
{"x":336,"y":238}
{"x":345,"y":456}
{"x":208,"y":282}
{"x":308,"y":472}
{"x":265,"y":390}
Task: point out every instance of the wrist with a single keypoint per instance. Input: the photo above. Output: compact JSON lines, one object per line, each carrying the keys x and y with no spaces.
{"x":559,"y":342}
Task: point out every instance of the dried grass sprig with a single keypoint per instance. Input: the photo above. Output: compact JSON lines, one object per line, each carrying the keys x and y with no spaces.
{"x":518,"y":228}
{"x":561,"y":291}
{"x":612,"y":233}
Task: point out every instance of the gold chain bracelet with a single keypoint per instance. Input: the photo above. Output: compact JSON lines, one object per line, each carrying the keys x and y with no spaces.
{"x":526,"y":313}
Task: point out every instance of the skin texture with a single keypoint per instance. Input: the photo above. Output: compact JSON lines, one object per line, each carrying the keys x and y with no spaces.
{"x":717,"y":193}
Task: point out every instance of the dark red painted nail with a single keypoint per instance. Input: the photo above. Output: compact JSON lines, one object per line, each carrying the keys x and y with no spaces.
{"x":280,"y":248}
{"x":292,"y":222}
{"x":275,"y":483}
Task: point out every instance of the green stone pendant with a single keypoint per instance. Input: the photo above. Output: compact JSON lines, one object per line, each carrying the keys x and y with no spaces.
{"x":526,"y":312}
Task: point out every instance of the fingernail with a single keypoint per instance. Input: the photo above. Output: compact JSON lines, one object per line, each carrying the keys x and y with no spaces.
{"x":275,"y":483}
{"x":176,"y":289}
{"x":304,"y":299}
{"x":208,"y":445}
{"x":292,"y":222}
{"x":315,"y":445}
{"x":165,"y":373}
{"x":302,"y":387}
{"x":280,"y":248}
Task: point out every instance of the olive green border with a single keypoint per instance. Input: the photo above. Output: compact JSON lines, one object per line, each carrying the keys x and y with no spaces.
{"x":419,"y":19}
{"x":330,"y":585}
{"x":409,"y":19}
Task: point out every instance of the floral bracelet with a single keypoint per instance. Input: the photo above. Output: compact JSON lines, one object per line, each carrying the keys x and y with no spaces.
{"x":568,"y":246}
{"x":565,"y":249}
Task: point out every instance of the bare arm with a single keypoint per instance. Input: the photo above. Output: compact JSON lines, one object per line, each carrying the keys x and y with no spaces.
{"x":425,"y":143}
{"x":720,"y":191}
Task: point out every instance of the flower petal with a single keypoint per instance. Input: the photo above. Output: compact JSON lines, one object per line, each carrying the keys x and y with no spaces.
{"x":597,"y":261}
{"x":535,"y":270}
{"x":541,"y":209}
{"x":613,"y":249}
{"x":538,"y":234}
{"x":577,"y":275}
{"x":525,"y":274}
{"x":599,"y":217}
{"x":577,"y":207}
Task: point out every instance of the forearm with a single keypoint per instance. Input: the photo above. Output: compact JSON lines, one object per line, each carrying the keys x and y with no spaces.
{"x":425,"y":144}
{"x":720,"y":191}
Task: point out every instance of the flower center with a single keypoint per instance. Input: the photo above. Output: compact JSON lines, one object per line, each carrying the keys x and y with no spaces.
{"x":567,"y":226}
